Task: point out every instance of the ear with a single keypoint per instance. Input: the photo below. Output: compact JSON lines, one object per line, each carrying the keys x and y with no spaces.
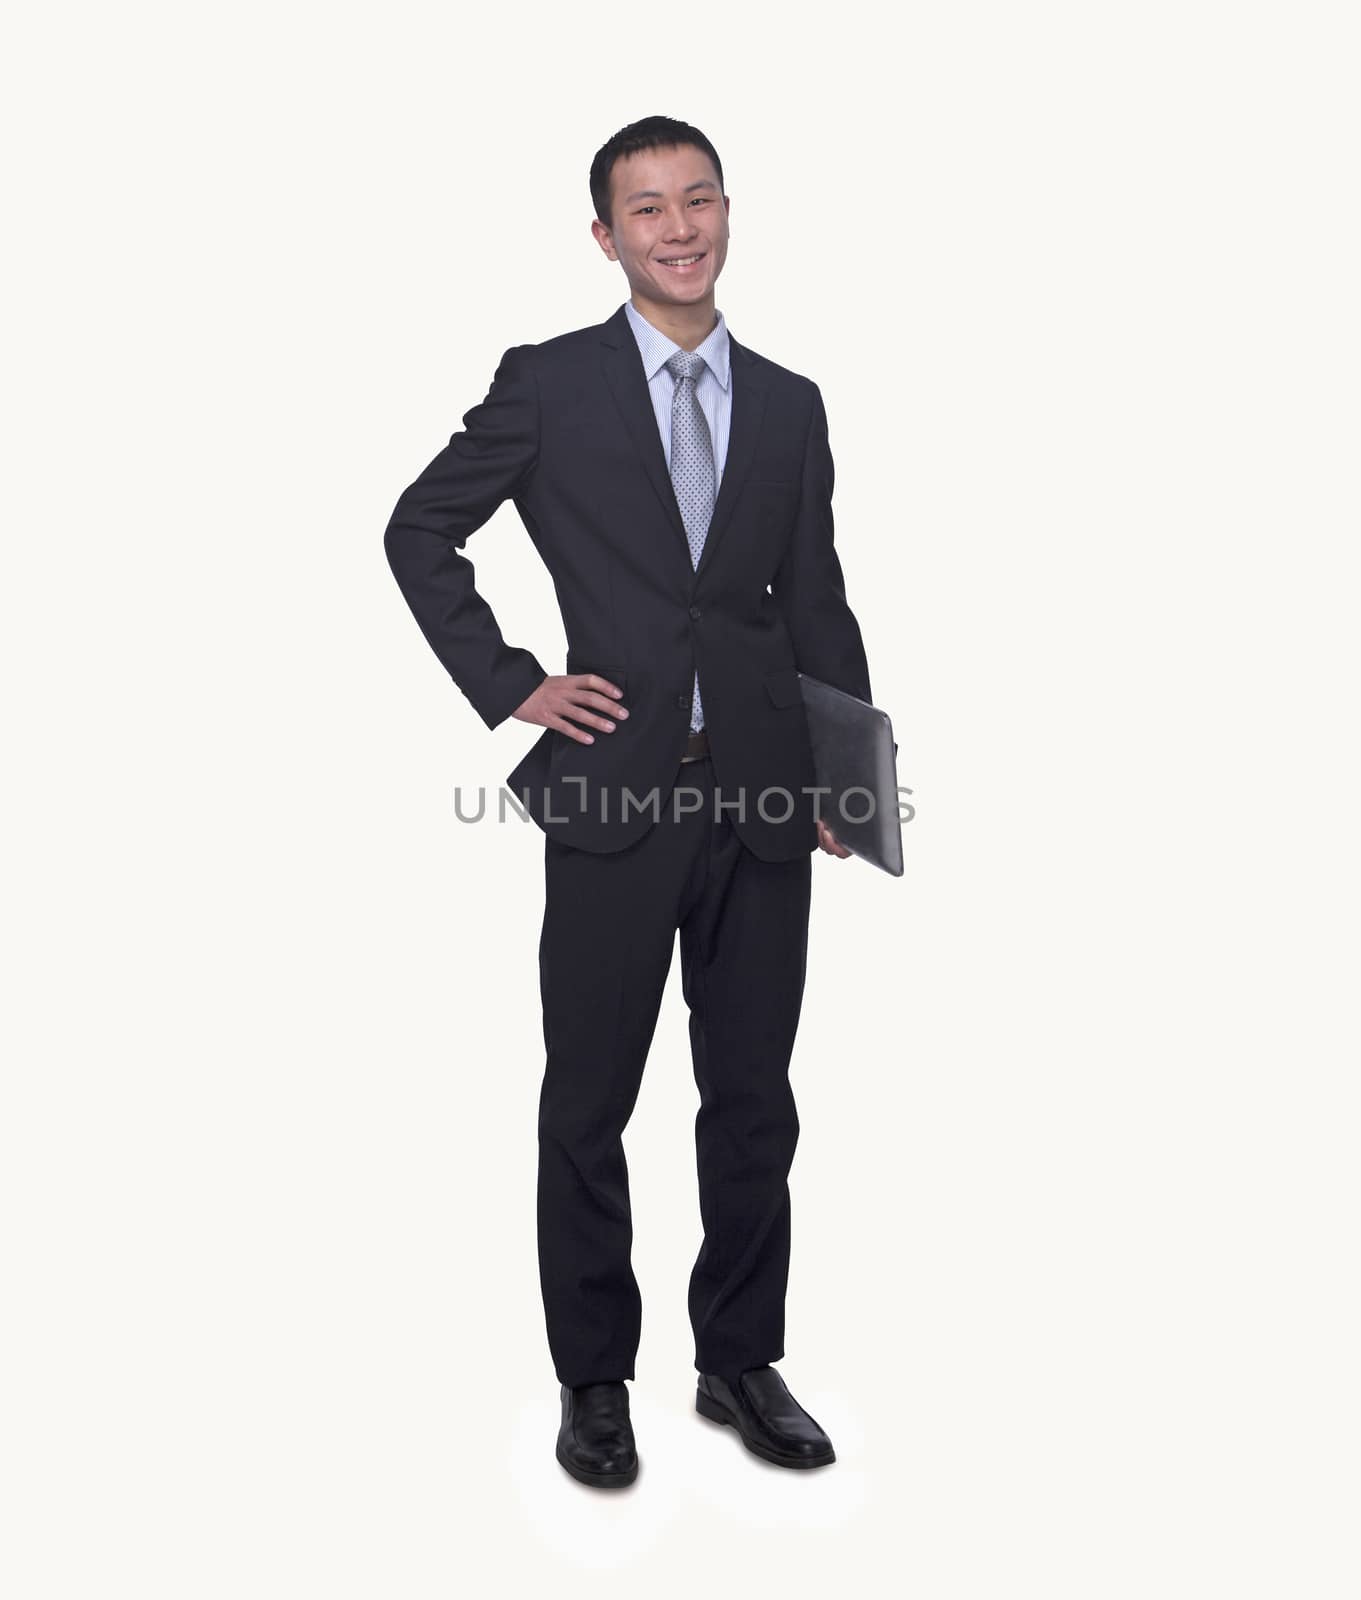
{"x":604,"y":238}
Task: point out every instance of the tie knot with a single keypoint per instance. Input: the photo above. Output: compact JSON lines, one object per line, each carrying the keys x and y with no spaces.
{"x":684,"y":364}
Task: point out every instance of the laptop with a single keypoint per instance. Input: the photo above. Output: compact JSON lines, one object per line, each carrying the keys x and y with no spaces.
{"x":855,"y":757}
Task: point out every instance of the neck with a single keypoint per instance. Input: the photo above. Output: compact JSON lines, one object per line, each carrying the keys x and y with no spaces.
{"x":689,"y":326}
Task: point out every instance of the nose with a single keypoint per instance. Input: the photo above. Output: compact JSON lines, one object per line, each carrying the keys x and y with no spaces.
{"x":682,"y":229}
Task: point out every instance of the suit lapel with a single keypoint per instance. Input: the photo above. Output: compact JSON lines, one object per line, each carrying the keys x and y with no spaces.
{"x":623,"y":371}
{"x":748,"y":408}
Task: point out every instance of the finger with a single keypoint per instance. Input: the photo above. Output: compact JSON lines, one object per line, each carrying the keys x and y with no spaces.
{"x":593,"y":680}
{"x":601,"y":702}
{"x":589,"y":718}
{"x":830,"y":843}
{"x":563,"y":726}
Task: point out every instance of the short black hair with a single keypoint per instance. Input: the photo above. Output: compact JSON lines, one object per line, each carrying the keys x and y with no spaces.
{"x":651,"y":133}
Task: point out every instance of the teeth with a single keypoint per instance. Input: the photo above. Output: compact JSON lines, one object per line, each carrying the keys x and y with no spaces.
{"x":680,"y":261}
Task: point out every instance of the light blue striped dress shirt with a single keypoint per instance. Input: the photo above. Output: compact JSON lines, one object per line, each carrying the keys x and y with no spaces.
{"x":713,"y":390}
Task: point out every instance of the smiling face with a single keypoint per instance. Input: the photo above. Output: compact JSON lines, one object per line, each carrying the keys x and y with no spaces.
{"x":670,"y":231}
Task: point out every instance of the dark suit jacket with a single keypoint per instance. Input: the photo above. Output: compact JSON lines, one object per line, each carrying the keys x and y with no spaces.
{"x":568,"y":432}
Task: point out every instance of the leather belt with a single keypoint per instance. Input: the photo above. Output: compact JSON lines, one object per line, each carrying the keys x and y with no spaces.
{"x":696,"y":747}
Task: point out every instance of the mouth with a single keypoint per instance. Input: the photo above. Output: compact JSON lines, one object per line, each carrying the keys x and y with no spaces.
{"x":681,"y":265}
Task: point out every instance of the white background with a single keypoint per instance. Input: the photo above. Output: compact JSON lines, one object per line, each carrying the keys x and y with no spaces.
{"x":1074,"y":1275}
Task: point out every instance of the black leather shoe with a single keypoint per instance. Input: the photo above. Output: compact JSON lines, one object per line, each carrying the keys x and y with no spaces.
{"x":595,"y":1441}
{"x":769,"y":1420}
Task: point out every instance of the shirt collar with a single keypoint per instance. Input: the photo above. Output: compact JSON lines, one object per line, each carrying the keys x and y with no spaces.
{"x":656,"y":349}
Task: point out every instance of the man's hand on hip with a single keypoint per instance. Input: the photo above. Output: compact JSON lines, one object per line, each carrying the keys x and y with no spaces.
{"x":579,"y":695}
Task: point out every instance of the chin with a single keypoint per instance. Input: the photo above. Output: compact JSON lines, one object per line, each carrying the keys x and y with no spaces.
{"x":698,"y":288}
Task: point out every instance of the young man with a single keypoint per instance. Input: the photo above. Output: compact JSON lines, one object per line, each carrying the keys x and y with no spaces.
{"x":678,"y":487}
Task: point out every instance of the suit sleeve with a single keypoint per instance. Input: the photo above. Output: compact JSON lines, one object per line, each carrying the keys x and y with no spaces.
{"x":808,"y":587}
{"x":487,"y":462}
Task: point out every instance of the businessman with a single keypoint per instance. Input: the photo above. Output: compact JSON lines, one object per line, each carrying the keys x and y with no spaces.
{"x":678,"y":486}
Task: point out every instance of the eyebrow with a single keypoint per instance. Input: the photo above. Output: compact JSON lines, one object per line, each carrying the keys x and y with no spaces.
{"x":656,"y":194}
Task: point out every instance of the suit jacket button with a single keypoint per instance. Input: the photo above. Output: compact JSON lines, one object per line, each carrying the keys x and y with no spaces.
{"x":695,"y":612}
{"x":683,"y":701}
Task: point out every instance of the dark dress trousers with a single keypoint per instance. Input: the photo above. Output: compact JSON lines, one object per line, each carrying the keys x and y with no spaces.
{"x":635,"y":848}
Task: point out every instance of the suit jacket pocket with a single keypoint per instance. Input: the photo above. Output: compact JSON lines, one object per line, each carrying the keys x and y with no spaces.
{"x":769,"y":500}
{"x":782,"y":685}
{"x":616,"y":675}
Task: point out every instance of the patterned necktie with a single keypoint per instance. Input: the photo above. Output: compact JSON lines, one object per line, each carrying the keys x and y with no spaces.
{"x":692,"y":470}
